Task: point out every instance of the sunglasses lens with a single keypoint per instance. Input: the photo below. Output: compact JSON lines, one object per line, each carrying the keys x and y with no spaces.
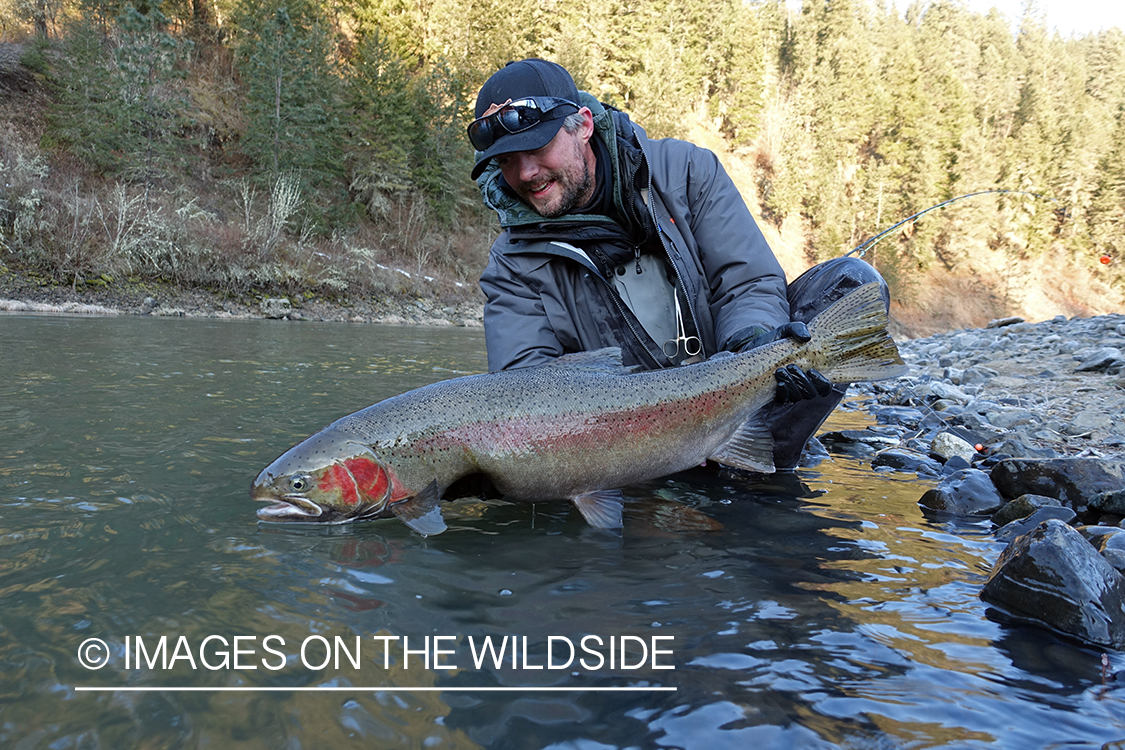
{"x":480,"y":134}
{"x":514,"y":118}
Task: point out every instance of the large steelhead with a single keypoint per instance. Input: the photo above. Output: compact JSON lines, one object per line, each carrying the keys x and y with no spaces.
{"x":577,"y":429}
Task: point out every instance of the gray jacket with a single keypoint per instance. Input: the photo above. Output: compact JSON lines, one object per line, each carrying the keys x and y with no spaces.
{"x":544,"y":299}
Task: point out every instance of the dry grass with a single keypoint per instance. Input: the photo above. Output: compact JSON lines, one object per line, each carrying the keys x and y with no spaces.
{"x":65,"y":225}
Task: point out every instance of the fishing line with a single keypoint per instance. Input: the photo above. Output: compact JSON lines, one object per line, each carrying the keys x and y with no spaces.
{"x":862,"y":247}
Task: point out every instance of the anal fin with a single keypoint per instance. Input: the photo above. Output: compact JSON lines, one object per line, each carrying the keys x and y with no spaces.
{"x":601,"y":508}
{"x":423,"y":511}
{"x":749,"y":448}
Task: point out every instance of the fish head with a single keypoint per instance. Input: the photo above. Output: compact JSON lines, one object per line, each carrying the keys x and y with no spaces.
{"x":329,"y":478}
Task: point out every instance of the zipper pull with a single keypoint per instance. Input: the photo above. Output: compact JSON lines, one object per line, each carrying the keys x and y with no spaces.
{"x":637,"y":257}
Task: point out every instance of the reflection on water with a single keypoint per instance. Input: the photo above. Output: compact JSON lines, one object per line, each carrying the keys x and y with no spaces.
{"x":820,"y":612}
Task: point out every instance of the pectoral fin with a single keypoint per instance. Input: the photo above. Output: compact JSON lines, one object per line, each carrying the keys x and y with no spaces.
{"x":749,"y":448}
{"x":601,"y":508}
{"x":423,"y":511}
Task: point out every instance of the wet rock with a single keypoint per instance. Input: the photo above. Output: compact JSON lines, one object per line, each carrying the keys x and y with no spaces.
{"x":276,"y":308}
{"x":858,"y":442}
{"x":1021,"y":526}
{"x":814,"y":453}
{"x":905,"y":416}
{"x":977,"y":423}
{"x":1001,"y":322}
{"x":1054,"y":577}
{"x":1102,"y":360}
{"x":906,"y":460}
{"x":1109,"y":541}
{"x":946,"y":445}
{"x":954,"y":464}
{"x":1016,"y":447}
{"x":968,"y":492}
{"x":1112,"y":501}
{"x":1103,"y":536}
{"x":1022,"y":507}
{"x":1071,"y":480}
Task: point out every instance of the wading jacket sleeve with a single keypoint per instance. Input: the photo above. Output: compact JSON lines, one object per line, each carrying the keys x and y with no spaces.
{"x":545,"y":299}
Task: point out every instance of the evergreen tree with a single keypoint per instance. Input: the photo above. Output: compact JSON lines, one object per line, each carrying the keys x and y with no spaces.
{"x":148,"y":59}
{"x":287,"y":57}
{"x":736,"y":76}
{"x":394,"y":151}
{"x":841,"y":116}
{"x":118,"y":104}
{"x":1107,"y":209}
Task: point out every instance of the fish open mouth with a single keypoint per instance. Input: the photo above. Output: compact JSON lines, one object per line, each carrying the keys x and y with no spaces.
{"x":288,"y":508}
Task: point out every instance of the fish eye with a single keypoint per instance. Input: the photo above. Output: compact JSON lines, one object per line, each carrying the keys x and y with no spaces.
{"x":299,"y":482}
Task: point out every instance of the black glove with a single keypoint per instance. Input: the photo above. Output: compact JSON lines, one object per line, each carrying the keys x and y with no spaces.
{"x":754,"y":337}
{"x":795,"y":384}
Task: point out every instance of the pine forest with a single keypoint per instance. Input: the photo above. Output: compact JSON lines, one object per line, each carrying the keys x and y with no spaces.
{"x":311,"y":147}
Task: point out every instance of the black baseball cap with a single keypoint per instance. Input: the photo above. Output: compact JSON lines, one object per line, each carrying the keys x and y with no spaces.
{"x":519,"y":80}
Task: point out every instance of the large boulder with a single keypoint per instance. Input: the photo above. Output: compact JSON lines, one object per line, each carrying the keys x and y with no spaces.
{"x":1053,"y":577}
{"x":1071,"y":480}
{"x":968,"y":492}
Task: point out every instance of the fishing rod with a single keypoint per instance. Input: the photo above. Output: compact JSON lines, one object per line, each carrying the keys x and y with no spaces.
{"x":862,"y":247}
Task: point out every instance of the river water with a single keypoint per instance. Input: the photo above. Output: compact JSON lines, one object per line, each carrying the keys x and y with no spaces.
{"x":826,"y":612}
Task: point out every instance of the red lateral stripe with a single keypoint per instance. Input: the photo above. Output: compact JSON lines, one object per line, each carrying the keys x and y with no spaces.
{"x":548,"y":432}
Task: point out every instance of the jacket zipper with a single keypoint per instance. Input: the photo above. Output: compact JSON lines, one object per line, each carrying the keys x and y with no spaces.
{"x":676,"y":269}
{"x":667,"y":253}
{"x":624,"y":315}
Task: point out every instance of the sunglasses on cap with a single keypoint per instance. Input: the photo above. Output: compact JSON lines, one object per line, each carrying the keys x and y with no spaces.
{"x":515,"y":117}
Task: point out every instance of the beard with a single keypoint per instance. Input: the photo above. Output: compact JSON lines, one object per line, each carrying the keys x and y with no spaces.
{"x":573,"y":187}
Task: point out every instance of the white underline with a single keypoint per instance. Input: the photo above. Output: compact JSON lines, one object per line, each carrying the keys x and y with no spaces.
{"x":332,"y":688}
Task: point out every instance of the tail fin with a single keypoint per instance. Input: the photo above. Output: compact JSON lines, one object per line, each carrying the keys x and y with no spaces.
{"x":853,"y":340}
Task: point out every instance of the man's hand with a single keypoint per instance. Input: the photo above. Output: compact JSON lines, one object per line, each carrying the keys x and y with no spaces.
{"x":755,"y":337}
{"x":793,"y":383}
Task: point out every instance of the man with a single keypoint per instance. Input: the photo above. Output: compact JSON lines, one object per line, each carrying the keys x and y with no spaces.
{"x":612,"y":239}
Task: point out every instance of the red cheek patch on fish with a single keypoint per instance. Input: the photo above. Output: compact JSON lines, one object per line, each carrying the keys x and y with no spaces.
{"x":337,"y":478}
{"x":370,"y":477}
{"x":356,"y":478}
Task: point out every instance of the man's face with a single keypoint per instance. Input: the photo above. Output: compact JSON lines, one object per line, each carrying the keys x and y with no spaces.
{"x":555,"y":178}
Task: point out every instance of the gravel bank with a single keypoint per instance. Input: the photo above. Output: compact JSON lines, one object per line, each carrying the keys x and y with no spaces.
{"x":1048,"y":389}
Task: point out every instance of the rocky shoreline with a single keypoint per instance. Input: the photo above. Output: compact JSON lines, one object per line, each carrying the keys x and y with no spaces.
{"x":1022,"y":424}
{"x":20,"y":294}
